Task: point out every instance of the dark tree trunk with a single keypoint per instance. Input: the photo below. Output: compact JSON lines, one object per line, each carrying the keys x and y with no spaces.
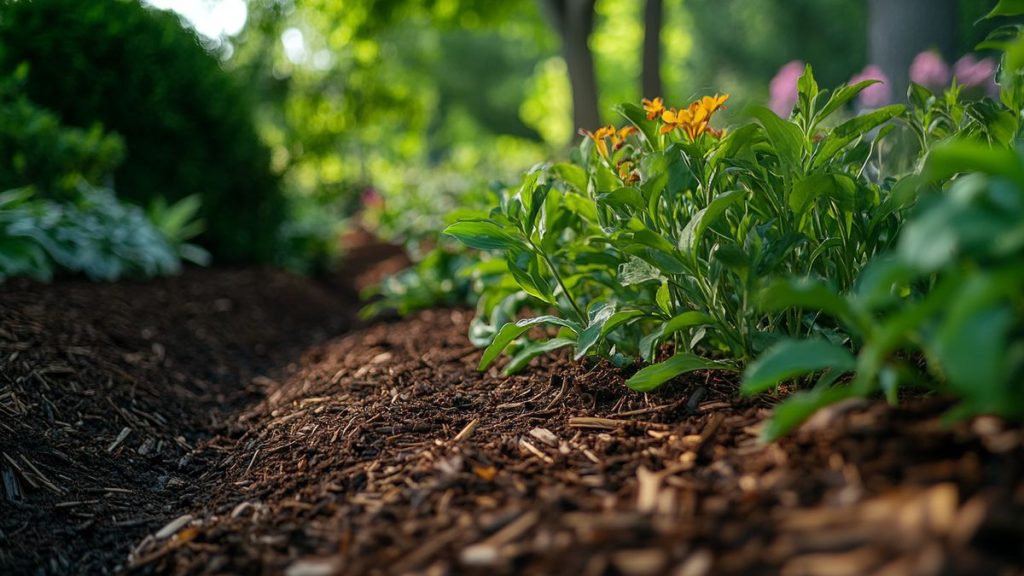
{"x":900,"y":29}
{"x":651,"y":74}
{"x":574,"y":21}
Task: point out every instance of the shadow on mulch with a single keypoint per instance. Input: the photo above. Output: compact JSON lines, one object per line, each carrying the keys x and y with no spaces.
{"x":208,"y":424}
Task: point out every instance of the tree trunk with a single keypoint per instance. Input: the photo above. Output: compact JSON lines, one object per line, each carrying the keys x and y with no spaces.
{"x":651,"y":73}
{"x":574,"y":21}
{"x":900,"y":29}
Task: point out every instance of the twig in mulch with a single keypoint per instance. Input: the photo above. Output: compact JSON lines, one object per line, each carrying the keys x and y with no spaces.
{"x":466,"y":431}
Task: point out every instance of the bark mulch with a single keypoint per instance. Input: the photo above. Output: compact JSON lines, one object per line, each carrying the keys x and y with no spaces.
{"x":108,"y":390}
{"x":387,"y":453}
{"x":210,"y":424}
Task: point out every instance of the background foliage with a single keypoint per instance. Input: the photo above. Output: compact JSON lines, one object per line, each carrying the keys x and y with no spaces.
{"x":186,"y":125}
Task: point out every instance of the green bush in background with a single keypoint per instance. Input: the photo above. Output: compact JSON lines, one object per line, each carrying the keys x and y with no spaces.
{"x":36,"y":149}
{"x":186,"y":125}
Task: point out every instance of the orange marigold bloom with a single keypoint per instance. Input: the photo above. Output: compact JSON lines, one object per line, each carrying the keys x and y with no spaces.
{"x":654,"y":108}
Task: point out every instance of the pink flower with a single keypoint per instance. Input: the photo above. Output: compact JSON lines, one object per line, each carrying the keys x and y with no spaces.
{"x":974,"y":73}
{"x":929,"y":69}
{"x":371,"y":198}
{"x":783,"y":88}
{"x":876,"y":95}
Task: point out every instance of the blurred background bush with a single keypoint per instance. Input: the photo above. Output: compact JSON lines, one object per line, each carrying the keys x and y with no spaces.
{"x":187,"y":125}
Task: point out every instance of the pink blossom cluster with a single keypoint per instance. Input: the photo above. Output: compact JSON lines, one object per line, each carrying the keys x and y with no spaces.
{"x":928,"y":69}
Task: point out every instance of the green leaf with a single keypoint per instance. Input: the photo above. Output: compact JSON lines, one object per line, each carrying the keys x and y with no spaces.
{"x":963,"y":156}
{"x":799,"y":407}
{"x":1007,"y":8}
{"x":852,"y":129}
{"x":483,"y":235}
{"x":620,"y":318}
{"x":527,"y":269}
{"x":792,"y":358}
{"x":655,"y":375}
{"x":689,"y":240}
{"x":636,"y":271}
{"x":807,"y":89}
{"x":786,"y":137}
{"x":512,"y":330}
{"x":841,"y":96}
{"x":599,"y":315}
{"x":837,"y":187}
{"x":689,"y":319}
{"x":811,"y":294}
{"x":531,"y":351}
{"x":572,"y":175}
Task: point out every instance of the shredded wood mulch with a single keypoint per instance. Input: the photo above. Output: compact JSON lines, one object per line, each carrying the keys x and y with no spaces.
{"x":383,"y":451}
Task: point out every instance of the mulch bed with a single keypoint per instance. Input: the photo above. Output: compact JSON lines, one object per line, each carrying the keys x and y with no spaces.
{"x":274,"y":449}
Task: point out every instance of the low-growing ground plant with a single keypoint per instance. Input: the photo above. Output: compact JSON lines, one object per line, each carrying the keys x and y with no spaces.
{"x":776,"y":246}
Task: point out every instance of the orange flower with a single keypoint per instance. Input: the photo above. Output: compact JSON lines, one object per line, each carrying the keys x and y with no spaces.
{"x":654,"y":108}
{"x":672,"y":119}
{"x":713,"y":103}
{"x":695,"y":119}
{"x":599,"y":138}
{"x":619,"y":138}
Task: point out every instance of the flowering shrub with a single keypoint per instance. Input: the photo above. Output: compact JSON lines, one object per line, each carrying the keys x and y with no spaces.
{"x":665,"y":230}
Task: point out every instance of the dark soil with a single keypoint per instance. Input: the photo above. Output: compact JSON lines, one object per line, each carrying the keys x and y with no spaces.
{"x":274,"y":449}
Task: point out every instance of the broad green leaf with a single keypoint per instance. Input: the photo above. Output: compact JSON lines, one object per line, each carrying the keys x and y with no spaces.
{"x":637,"y":271}
{"x":792,"y":358}
{"x":786,"y":137}
{"x":620,"y":198}
{"x":689,"y":240}
{"x":664,"y":297}
{"x":1007,"y":8}
{"x":655,"y":375}
{"x":483,"y":235}
{"x":689,"y":319}
{"x":572,"y":175}
{"x":837,"y":187}
{"x":529,"y":272}
{"x":811,"y":294}
{"x":799,"y":407}
{"x":512,"y":330}
{"x":841,"y":96}
{"x":620,"y":318}
{"x":532,"y":350}
{"x":842,"y":135}
{"x":807,"y":89}
{"x":594,"y":330}
{"x":955,"y":157}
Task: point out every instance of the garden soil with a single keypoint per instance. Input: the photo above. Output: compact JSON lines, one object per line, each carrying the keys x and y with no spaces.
{"x":242,"y":422}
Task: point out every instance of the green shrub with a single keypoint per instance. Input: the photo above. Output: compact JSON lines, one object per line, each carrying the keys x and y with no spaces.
{"x":36,"y":149}
{"x":187,"y":126}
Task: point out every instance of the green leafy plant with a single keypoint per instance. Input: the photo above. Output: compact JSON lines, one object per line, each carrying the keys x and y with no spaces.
{"x":94,"y":234}
{"x":180,"y":222}
{"x":948,"y":293}
{"x":666,"y":235}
